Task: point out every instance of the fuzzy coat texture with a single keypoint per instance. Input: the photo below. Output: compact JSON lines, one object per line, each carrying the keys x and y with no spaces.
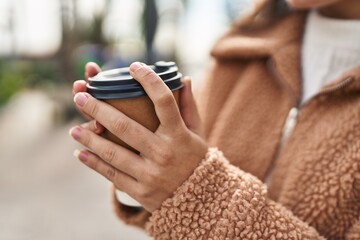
{"x":314,"y":188}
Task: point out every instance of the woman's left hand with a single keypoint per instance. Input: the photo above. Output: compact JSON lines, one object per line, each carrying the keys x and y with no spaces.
{"x":167,"y":157}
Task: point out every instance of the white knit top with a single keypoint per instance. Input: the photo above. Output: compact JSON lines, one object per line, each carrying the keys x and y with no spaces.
{"x":330,"y":47}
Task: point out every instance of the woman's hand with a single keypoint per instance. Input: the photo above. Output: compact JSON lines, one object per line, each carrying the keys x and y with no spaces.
{"x":167,"y":157}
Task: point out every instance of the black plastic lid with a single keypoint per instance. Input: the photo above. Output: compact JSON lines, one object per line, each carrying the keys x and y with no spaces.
{"x":119,"y":84}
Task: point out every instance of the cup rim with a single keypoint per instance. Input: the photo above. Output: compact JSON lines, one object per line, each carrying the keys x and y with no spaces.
{"x":119,"y":84}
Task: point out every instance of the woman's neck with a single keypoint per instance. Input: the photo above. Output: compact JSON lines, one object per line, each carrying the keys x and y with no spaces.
{"x":345,"y":9}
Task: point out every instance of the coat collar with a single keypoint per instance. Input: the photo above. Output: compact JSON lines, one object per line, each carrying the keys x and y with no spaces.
{"x":264,"y":42}
{"x":281,"y":45}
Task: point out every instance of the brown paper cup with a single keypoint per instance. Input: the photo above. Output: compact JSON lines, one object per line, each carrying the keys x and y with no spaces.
{"x":141,"y":110}
{"x":120,"y":90}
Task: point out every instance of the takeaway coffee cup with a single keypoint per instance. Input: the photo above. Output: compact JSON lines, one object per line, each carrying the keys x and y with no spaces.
{"x":119,"y":89}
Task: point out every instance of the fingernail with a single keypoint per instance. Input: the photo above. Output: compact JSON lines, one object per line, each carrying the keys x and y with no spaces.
{"x":82,"y":156}
{"x":75,"y":132}
{"x":76,"y":153}
{"x":135,"y":66}
{"x":80,"y":99}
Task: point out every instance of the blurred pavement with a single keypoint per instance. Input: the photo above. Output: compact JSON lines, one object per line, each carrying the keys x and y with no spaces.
{"x":45,"y":193}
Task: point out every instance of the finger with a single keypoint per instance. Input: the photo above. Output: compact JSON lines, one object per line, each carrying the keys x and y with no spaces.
{"x":93,"y":126}
{"x":118,"y":157}
{"x":162,"y":97}
{"x":128,"y":130}
{"x":188,"y":108}
{"x":121,"y":180}
{"x":91,"y":69}
{"x":79,"y":86}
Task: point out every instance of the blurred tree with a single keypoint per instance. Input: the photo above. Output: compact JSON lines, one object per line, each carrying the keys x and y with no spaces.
{"x":91,"y":42}
{"x":69,"y":39}
{"x":150,"y":22}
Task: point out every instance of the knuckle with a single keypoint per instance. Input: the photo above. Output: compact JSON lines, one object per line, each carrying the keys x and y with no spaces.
{"x":86,"y":139}
{"x":150,"y":75}
{"x":165,"y":155}
{"x":165,"y":99}
{"x":93,"y":109}
{"x":109,"y":154}
{"x":143,"y":193}
{"x":183,"y":135}
{"x":94,"y":165}
{"x":147,"y":73}
{"x":110,"y":173}
{"x":119,"y":183}
{"x":152,"y":177}
{"x":120,"y":126}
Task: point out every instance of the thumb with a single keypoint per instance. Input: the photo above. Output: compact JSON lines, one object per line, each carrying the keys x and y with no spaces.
{"x":188,"y":108}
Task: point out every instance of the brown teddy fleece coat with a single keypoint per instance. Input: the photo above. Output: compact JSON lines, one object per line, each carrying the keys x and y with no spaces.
{"x":313,"y":180}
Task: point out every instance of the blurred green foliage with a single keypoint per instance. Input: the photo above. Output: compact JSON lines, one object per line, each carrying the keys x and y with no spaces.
{"x":10,"y":83}
{"x":16,"y":75}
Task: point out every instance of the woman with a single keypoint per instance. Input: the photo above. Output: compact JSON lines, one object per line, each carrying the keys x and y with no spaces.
{"x":282,"y":105}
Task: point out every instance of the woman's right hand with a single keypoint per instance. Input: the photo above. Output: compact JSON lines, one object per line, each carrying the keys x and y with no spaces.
{"x":188,"y":107}
{"x":91,"y":69}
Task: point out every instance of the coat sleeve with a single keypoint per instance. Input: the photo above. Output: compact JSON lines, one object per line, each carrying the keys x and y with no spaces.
{"x":219,"y":201}
{"x":129,"y":215}
{"x":354,"y":232}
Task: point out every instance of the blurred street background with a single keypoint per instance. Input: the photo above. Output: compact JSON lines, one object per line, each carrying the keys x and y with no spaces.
{"x":45,"y":193}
